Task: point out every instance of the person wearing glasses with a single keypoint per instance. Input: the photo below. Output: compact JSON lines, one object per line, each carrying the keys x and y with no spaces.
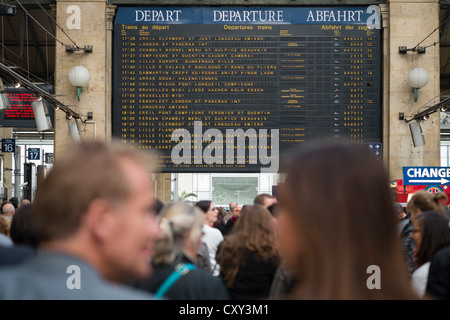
{"x":212,"y":236}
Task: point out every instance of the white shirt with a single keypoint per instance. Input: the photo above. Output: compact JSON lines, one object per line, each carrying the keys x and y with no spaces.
{"x":212,"y":237}
{"x":419,"y":279}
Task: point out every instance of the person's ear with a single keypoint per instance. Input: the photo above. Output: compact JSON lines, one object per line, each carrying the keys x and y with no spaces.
{"x":100,"y":219}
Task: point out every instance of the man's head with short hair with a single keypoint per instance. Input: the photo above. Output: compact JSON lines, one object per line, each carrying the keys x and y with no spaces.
{"x":98,"y":200}
{"x":399,"y":210}
{"x":235,"y":209}
{"x":265,"y":200}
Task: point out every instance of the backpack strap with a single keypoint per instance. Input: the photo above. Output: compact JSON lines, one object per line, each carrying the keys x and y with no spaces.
{"x":180,"y":270}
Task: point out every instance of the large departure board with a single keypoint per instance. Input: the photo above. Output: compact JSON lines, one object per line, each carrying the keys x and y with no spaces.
{"x":186,"y":79}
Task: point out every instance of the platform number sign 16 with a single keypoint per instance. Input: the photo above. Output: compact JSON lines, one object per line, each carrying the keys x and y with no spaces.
{"x":34,"y":153}
{"x":8,"y":145}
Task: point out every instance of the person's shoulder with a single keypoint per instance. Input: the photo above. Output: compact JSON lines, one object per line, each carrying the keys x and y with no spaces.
{"x":93,"y":286}
{"x":212,"y":231}
{"x":444,"y":252}
{"x":15,"y":278}
{"x":207,"y":228}
{"x":216,"y":233}
{"x":407,"y":227}
{"x":35,"y":279}
{"x":5,"y":241}
{"x":122,"y":292}
{"x":8,"y":271}
{"x":422,"y":270}
{"x":254,"y":258}
{"x":211,"y":286}
{"x":199,"y":273}
{"x":438,"y":284}
{"x":15,"y":254}
{"x":402,"y":223}
{"x":442,"y":256}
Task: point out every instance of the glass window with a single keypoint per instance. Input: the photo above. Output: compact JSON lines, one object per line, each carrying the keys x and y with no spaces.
{"x":234,"y":189}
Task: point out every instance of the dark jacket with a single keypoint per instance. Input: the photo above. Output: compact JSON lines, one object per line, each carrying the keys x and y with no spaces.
{"x":254,"y":278}
{"x":225,"y":227}
{"x":408,"y":244}
{"x":203,"y":261}
{"x":283,"y":283}
{"x":197,"y":284}
{"x":438,"y":284}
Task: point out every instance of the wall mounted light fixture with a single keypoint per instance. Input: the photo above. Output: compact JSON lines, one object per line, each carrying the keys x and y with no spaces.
{"x":73,"y":130}
{"x":417,"y":134}
{"x":43,"y":121}
{"x":4,"y":101}
{"x":79,"y":77}
{"x":71,"y":48}
{"x":7,"y":10}
{"x":417,"y":78}
{"x":415,"y":128}
{"x":404,"y":49}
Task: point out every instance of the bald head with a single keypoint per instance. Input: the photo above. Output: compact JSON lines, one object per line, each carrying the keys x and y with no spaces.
{"x":25,"y":202}
{"x":8,"y":209}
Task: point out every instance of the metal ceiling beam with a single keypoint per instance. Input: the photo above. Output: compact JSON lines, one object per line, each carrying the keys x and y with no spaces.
{"x":12,"y":29}
{"x":31,"y":3}
{"x":444,"y":26}
{"x":37,"y":47}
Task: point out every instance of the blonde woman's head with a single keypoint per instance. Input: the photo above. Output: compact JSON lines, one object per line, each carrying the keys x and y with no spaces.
{"x":181,"y":225}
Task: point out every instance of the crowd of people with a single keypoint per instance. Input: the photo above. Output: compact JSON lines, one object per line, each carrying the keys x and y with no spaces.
{"x":112,"y":239}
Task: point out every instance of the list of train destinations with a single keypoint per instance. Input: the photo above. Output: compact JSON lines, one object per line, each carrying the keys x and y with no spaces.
{"x":227,"y":89}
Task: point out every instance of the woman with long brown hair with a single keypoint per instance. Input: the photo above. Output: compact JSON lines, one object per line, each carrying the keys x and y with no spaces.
{"x":337,"y":228}
{"x":248,"y":257}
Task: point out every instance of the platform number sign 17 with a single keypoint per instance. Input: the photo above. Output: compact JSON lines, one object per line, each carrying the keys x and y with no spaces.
{"x":34,"y":153}
{"x":8,"y":145}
